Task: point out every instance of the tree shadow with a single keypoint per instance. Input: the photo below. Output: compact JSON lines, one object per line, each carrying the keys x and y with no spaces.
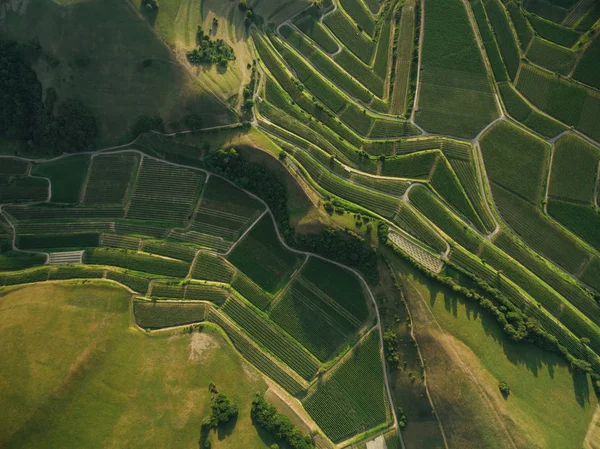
{"x":149,"y":14}
{"x":224,"y":430}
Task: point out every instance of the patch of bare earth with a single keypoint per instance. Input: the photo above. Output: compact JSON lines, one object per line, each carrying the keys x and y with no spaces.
{"x":201,"y":345}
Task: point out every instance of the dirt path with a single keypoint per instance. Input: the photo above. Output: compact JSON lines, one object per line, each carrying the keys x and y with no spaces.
{"x":592,"y":438}
{"x":418,"y":81}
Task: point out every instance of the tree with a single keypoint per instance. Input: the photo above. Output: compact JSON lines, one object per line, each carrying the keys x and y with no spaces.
{"x":504,"y":388}
{"x":150,"y":5}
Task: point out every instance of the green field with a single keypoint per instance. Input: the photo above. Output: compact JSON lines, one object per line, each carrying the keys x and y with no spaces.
{"x":516,"y":160}
{"x":574,"y":169}
{"x":468,"y":354}
{"x":66,"y":177}
{"x":94,"y":381}
{"x":455,"y":94}
{"x":587,"y":69}
{"x":263,"y":258}
{"x":343,"y":404}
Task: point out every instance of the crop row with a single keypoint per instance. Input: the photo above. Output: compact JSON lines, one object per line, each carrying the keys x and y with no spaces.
{"x":521,"y":111}
{"x":133,"y":281}
{"x":363,"y":18}
{"x":357,"y":42}
{"x":24,"y":189}
{"x":120,"y":241}
{"x":394,"y":187}
{"x":313,"y":29}
{"x":416,"y":166}
{"x":64,"y":240}
{"x":204,"y":240}
{"x":164,"y":192}
{"x":563,"y":284}
{"x":319,"y":328}
{"x":408,"y":220}
{"x":551,"y":56}
{"x":489,"y":41}
{"x":435,"y":211}
{"x":169,"y":249}
{"x":13,"y":167}
{"x":521,"y":24}
{"x":466,"y":172}
{"x":110,"y":177}
{"x":140,"y":228}
{"x":382,"y":204}
{"x":64,"y":213}
{"x":591,"y":274}
{"x":262,"y":257}
{"x":135,"y":261}
{"x":504,"y":35}
{"x":344,"y":403}
{"x":539,"y":233}
{"x":156,"y":315}
{"x":267,"y":335}
{"x":210,"y":267}
{"x":34,"y":227}
{"x":256,"y":356}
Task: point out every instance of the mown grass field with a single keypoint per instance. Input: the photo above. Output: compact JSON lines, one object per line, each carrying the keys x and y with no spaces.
{"x":467,"y":355}
{"x":81,"y":376}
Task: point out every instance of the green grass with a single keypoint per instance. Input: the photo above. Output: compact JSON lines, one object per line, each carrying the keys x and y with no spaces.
{"x":263,"y":258}
{"x":588,"y":70}
{"x":565,"y":100}
{"x":66,"y":175}
{"x":82,"y":387}
{"x":347,"y":32}
{"x":549,"y":404}
{"x":521,"y":111}
{"x":156,"y":315}
{"x":574,"y":169}
{"x":539,"y":233}
{"x":135,"y":261}
{"x":271,"y":338}
{"x":551,"y":56}
{"x":583,"y":220}
{"x":516,"y":160}
{"x":554,"y":32}
{"x":507,"y":42}
{"x":489,"y":41}
{"x":110,"y":178}
{"x":118,"y":86}
{"x":455,"y":95}
{"x":344,"y":404}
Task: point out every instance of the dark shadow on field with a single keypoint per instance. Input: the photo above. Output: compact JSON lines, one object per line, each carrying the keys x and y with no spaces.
{"x":518,"y":353}
{"x":224,"y":430}
{"x":267,"y":438}
{"x":149,"y":14}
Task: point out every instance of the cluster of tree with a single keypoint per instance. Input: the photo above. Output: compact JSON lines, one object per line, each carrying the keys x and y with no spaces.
{"x":249,"y":89}
{"x":246,"y":8}
{"x":26,"y":116}
{"x":401,"y":418}
{"x":146,"y":123}
{"x":223,"y":410}
{"x":345,"y":247}
{"x":391,"y":347}
{"x":513,"y":321}
{"x":210,"y":51}
{"x":266,"y":416}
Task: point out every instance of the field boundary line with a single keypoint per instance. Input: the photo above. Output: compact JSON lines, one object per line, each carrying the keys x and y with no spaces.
{"x":419,"y":64}
{"x":280,"y":293}
{"x":231,"y":248}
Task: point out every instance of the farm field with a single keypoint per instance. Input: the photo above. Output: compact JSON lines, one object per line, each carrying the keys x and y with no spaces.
{"x":73,"y":371}
{"x":382,"y":215}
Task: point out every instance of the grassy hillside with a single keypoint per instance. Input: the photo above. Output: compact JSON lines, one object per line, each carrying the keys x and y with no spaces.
{"x":467,"y":356}
{"x":104,"y":53}
{"x":81,"y":376}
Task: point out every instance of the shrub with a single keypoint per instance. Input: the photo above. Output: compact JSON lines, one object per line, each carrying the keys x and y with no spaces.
{"x":504,"y":388}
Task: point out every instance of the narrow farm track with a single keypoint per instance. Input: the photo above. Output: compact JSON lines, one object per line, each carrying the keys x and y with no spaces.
{"x":420,"y":57}
{"x":282,"y":241}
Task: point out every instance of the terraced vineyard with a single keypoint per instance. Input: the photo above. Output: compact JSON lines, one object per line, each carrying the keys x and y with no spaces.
{"x":461,"y":136}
